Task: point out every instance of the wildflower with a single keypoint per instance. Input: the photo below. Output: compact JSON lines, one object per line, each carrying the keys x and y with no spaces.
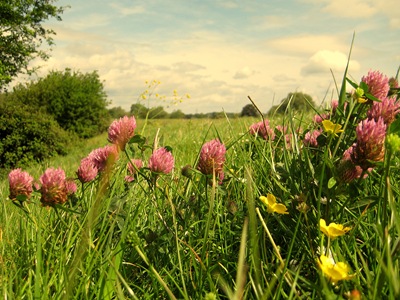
{"x":378,"y":84}
{"x":393,"y":84}
{"x":358,"y":95}
{"x":388,"y":108}
{"x":321,"y":117}
{"x":310,"y":138}
{"x":334,"y":271}
{"x":133,"y":166}
{"x":212,"y":158}
{"x":272,"y":206}
{"x":331,"y":127}
{"x":281,"y":129}
{"x":347,"y":170}
{"x":370,"y":145}
{"x":104,"y":155}
{"x":121,"y":131}
{"x":55,"y":187}
{"x":161,"y":161}
{"x":87,"y":170}
{"x":334,"y":105}
{"x":262,"y":129}
{"x":20,"y":184}
{"x":333,"y":230}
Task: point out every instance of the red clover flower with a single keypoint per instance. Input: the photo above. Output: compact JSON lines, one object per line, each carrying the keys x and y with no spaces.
{"x":262,"y":129}
{"x":161,"y":161}
{"x":212,"y":158}
{"x":121,"y":131}
{"x":55,"y":187}
{"x":20,"y":184}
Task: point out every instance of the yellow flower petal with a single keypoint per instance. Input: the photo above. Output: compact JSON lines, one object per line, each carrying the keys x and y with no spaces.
{"x":334,"y":272}
{"x":272,"y":206}
{"x":280,"y":209}
{"x":331,"y":127}
{"x":333,"y":230}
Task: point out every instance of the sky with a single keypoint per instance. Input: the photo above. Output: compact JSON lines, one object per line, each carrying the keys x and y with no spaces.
{"x":222,"y":51}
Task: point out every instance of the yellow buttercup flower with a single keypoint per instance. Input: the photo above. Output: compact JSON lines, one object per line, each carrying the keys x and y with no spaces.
{"x":272,"y":206}
{"x":334,"y":271}
{"x":331,"y":127}
{"x":333,"y":230}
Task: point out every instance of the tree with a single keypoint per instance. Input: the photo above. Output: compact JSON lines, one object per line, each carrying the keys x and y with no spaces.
{"x":22,"y":35}
{"x":177,"y":114}
{"x":298,"y":101}
{"x":117,"y":112}
{"x":139,"y":111}
{"x":249,"y":111}
{"x":77,"y":101}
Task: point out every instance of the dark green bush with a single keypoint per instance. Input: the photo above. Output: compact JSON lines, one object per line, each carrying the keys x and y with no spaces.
{"x":76,"y":100}
{"x":28,"y":135}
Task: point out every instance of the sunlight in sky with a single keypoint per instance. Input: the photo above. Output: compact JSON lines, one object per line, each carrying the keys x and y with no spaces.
{"x":221,"y":51}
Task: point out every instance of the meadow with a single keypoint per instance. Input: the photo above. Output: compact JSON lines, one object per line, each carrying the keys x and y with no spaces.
{"x":296,"y":207}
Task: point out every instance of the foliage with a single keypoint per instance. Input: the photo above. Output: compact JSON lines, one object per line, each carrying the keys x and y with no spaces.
{"x":28,"y":135}
{"x":249,"y":111}
{"x":298,"y":102}
{"x":177,"y":114}
{"x":288,"y":221}
{"x":117,"y":112}
{"x":22,"y":34}
{"x":77,"y":101}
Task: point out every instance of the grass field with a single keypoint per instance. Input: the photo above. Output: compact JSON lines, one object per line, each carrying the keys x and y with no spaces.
{"x":257,"y":234}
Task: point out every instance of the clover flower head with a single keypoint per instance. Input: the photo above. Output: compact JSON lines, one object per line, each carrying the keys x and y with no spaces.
{"x":212,"y":159}
{"x":387,"y":109}
{"x":331,"y":127}
{"x":333,"y":230}
{"x":310,"y":138}
{"x":272,"y":206}
{"x":321,"y":117}
{"x":334,"y":105}
{"x":262,"y":129}
{"x":370,"y":145}
{"x":347,"y":170}
{"x":133,"y":166}
{"x":282,"y":129}
{"x":121,"y":131}
{"x":20,"y":183}
{"x":87,"y":170}
{"x":334,"y":271}
{"x":55,"y":187}
{"x":103,"y":156}
{"x":161,"y":161}
{"x":378,"y":84}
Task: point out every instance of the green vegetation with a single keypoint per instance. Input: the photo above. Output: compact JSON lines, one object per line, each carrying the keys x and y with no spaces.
{"x":22,"y":34}
{"x":294,"y":217}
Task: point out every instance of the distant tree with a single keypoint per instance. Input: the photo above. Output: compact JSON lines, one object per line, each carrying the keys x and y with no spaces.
{"x":139,"y":111}
{"x":22,"y":35}
{"x":77,"y":101}
{"x":177,"y":114}
{"x":249,"y":111}
{"x":157,"y":113}
{"x":298,"y":101}
{"x":117,"y":112}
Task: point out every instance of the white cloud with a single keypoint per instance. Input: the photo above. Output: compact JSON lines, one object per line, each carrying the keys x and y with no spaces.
{"x":307,"y":43}
{"x":243,"y":73}
{"x":324,"y":60}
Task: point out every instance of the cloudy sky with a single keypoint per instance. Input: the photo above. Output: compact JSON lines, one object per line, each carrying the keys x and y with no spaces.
{"x":221,"y":51}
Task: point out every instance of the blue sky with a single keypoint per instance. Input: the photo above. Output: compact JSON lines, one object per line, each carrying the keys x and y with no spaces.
{"x":222,"y":51}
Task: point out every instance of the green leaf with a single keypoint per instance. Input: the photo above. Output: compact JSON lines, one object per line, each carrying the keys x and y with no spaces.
{"x":331,"y":182}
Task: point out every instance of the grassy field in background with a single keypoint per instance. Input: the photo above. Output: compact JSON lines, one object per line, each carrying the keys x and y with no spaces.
{"x":187,"y":237}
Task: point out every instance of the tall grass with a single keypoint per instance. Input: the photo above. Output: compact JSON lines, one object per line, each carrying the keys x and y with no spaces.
{"x":185,"y":236}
